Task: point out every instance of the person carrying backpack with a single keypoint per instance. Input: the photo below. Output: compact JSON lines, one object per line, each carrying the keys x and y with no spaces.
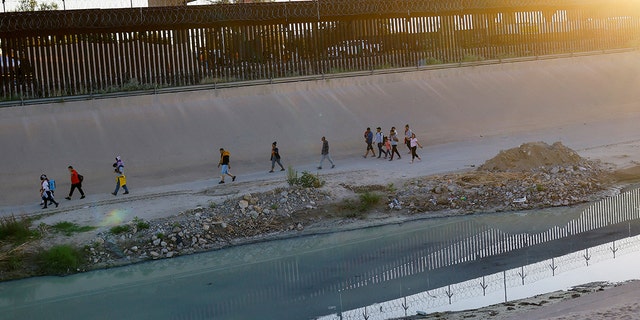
{"x":76,"y":182}
{"x":45,"y":191}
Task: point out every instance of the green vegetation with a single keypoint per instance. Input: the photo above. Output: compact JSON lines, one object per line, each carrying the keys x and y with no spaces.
{"x":59,"y":260}
{"x":292,"y":176}
{"x":16,"y":230}
{"x":140,"y":224}
{"x":307,"y":180}
{"x":472,"y":58}
{"x":69,"y":228}
{"x":120,"y":229}
{"x":357,"y":209}
{"x":430,"y":61}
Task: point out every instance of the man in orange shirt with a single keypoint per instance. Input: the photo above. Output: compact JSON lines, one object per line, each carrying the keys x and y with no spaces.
{"x":76,"y":182}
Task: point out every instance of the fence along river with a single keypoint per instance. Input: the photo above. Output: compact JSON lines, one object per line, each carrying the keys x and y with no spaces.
{"x":311,"y":276}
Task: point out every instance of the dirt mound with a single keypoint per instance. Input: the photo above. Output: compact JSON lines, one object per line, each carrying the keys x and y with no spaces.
{"x":530,"y":156}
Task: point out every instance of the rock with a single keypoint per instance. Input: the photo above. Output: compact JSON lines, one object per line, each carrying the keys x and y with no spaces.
{"x":243,"y":204}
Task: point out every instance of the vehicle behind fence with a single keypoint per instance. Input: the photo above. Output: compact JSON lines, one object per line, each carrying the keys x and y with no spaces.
{"x":64,"y":53}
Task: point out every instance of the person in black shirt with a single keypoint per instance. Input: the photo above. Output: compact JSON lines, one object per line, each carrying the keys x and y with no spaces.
{"x":224,"y":162}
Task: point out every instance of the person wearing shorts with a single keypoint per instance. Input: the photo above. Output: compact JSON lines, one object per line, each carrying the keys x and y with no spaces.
{"x":224,"y":163}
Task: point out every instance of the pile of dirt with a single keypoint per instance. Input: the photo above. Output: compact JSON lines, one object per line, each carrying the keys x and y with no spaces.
{"x":530,"y":156}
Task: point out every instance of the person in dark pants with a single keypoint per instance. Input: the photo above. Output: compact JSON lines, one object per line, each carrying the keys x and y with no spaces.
{"x":379,"y":140}
{"x":45,"y":192}
{"x":368,"y":139}
{"x":275,"y":157}
{"x":325,"y":153}
{"x":121,"y":181}
{"x":407,"y":137}
{"x":76,"y":182}
{"x":393,"y":138}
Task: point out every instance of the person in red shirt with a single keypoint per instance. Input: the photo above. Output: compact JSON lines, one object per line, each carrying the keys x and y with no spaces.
{"x":76,"y":182}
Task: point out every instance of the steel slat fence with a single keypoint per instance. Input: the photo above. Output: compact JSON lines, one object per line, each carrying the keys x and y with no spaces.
{"x":78,"y":52}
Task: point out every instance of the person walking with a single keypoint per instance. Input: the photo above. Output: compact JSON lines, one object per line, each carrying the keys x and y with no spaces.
{"x":121,"y":181}
{"x":45,"y":191}
{"x":387,"y":146}
{"x":393,"y":138}
{"x":368,"y":139}
{"x":325,"y":153}
{"x":225,"y":163}
{"x":407,"y":137}
{"x":379,"y":140}
{"x":413,"y":142}
{"x":275,"y":156}
{"x":76,"y":182}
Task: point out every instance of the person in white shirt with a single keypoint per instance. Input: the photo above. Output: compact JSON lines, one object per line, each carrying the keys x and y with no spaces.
{"x":378,"y":138}
{"x":45,"y":192}
{"x":413,"y":142}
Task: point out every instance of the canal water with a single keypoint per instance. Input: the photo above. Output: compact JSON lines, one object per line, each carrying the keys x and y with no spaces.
{"x":315,"y":276}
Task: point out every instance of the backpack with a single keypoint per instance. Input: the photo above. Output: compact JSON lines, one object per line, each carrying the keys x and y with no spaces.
{"x":80,"y":177}
{"x":52,"y":184}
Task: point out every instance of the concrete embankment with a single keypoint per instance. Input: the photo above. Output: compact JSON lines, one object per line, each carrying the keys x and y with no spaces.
{"x":173,"y":138}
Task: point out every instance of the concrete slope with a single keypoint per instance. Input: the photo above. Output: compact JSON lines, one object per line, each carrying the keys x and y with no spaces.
{"x":173,"y":138}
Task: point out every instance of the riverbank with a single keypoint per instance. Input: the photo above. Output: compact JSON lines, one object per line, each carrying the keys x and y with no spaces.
{"x":530,"y":176}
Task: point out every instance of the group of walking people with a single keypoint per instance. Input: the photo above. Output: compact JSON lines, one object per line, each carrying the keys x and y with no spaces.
{"x":225,"y":156}
{"x":47,"y":186}
{"x":388,"y":145}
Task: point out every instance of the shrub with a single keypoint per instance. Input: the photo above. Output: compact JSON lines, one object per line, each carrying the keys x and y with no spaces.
{"x":472,"y":58}
{"x":369,"y":200}
{"x":69,"y":228}
{"x":61,"y":259}
{"x":140,"y":224}
{"x":357,"y":209}
{"x":15,"y":230}
{"x":391,"y":188}
{"x":307,"y":180}
{"x":292,"y":176}
{"x":120,"y":229}
{"x":310,"y":180}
